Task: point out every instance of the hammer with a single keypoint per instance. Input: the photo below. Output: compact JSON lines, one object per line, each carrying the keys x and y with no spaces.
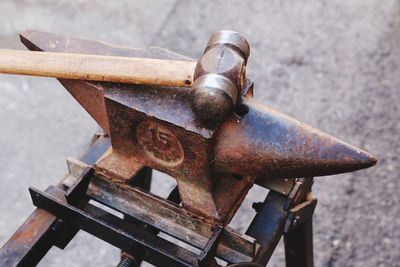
{"x":215,"y":80}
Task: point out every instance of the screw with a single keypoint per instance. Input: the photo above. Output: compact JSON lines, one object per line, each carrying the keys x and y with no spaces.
{"x":296,"y":221}
{"x":127,"y":262}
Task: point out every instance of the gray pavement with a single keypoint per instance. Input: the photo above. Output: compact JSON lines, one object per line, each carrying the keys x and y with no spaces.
{"x":333,"y":64}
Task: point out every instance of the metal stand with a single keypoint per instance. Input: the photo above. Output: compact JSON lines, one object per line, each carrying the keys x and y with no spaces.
{"x":64,"y":209}
{"x":299,"y":246}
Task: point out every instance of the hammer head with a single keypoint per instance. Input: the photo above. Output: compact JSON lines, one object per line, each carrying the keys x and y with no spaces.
{"x":219,"y":76}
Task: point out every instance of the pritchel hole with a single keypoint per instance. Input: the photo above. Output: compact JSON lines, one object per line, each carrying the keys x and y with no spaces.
{"x":187,"y":82}
{"x":241,"y":110}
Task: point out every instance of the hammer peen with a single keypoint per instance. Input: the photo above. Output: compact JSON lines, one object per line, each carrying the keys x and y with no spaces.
{"x":216,"y":79}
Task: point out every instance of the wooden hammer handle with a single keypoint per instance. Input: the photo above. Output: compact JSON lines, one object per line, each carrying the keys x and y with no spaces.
{"x":98,"y":68}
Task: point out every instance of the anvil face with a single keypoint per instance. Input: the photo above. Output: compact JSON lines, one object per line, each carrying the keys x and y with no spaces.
{"x":155,"y":127}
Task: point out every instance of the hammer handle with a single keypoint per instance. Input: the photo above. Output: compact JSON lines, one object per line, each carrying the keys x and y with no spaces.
{"x":98,"y":68}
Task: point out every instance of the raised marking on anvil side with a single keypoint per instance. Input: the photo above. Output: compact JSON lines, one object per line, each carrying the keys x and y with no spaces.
{"x":159,"y":144}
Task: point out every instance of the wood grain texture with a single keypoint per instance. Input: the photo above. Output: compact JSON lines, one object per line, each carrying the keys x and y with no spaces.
{"x":98,"y":68}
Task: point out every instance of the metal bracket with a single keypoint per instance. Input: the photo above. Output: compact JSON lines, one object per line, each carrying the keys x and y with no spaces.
{"x":299,"y":192}
{"x":206,"y":257}
{"x":300,"y":214}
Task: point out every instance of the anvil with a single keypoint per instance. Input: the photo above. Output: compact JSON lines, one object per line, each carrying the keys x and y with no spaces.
{"x":214,"y":164}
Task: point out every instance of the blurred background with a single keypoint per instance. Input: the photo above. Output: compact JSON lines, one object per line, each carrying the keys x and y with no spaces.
{"x":332,"y":64}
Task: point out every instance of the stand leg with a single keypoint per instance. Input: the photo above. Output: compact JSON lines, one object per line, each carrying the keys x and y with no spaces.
{"x":267,"y":226}
{"x":299,"y":246}
{"x":142,"y":180}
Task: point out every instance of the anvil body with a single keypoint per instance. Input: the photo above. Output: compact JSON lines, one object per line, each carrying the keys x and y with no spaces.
{"x":214,"y":164}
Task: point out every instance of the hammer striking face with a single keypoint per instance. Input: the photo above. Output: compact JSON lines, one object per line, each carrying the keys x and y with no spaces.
{"x":219,"y":76}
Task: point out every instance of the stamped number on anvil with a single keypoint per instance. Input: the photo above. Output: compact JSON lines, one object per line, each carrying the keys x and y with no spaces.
{"x":159,"y":143}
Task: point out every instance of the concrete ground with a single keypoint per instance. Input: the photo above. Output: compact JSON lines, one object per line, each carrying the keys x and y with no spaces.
{"x":333,"y":64}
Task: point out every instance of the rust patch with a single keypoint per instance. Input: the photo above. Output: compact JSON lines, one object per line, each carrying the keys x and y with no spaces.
{"x":34,"y":227}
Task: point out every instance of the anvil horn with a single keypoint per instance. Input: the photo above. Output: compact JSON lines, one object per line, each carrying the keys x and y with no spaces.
{"x":267,"y":144}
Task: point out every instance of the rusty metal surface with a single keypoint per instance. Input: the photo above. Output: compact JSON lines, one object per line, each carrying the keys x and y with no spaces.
{"x":268,"y":144}
{"x":155,"y":127}
{"x":148,"y":209}
{"x":113,"y":229}
{"x":154,"y":211}
{"x":189,"y":142}
{"x":29,"y":239}
{"x":170,"y":218}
